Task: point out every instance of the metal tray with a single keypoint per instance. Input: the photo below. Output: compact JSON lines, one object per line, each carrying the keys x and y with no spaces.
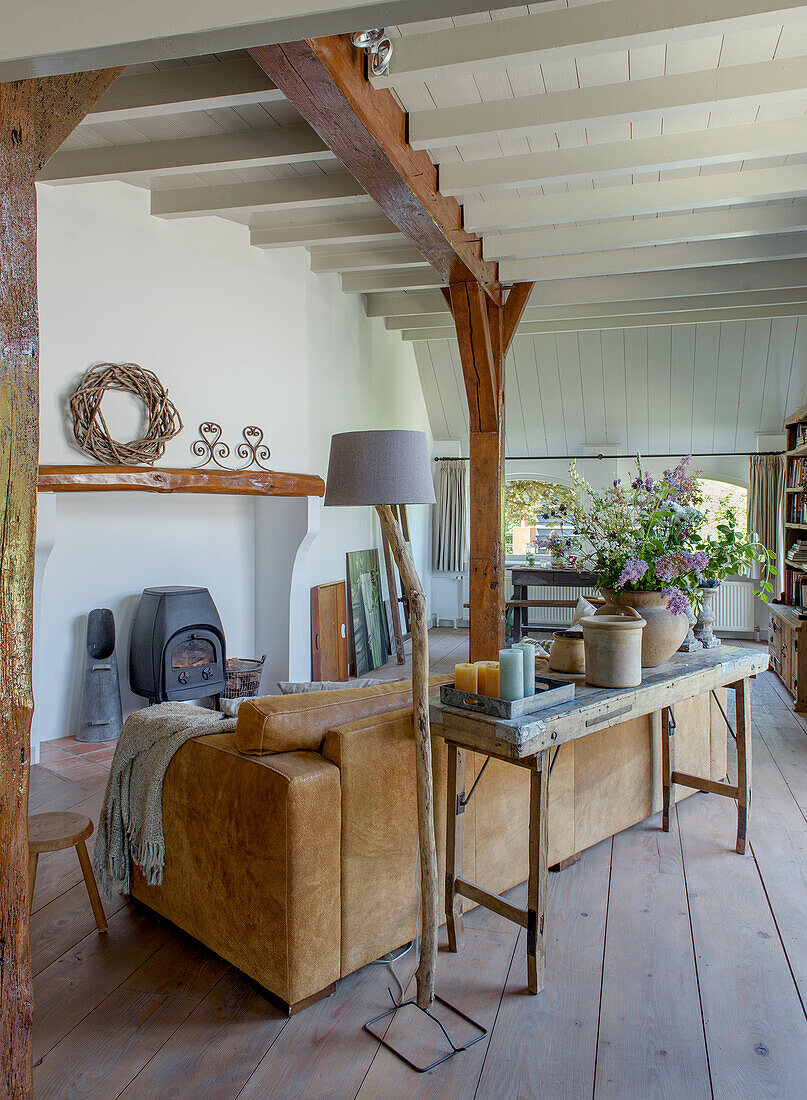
{"x":549,"y":692}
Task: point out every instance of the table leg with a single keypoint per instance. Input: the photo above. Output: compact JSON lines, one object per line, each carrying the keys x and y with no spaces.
{"x":455,"y":821}
{"x":742,"y":697}
{"x":667,"y":765}
{"x":537,"y":882}
{"x":518,"y":612}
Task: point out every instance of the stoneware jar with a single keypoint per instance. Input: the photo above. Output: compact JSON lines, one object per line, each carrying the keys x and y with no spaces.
{"x":664,"y":632}
{"x":614,"y":648}
{"x":568,"y":653}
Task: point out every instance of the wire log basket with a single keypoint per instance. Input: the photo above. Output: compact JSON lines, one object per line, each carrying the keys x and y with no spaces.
{"x":242,"y":677}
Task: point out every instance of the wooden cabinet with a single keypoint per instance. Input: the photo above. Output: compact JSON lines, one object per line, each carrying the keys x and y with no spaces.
{"x":788,"y":653}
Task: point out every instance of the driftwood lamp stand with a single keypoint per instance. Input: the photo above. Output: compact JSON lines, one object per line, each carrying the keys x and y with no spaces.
{"x":380,"y":469}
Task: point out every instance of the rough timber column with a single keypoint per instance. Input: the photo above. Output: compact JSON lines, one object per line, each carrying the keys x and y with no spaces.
{"x":35,"y":118}
{"x":484,"y":334}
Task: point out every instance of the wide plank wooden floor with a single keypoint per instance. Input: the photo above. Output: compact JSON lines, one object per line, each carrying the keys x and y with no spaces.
{"x":676,"y":968}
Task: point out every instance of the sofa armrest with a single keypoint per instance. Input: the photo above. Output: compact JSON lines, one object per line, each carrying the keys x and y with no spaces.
{"x":252,"y":862}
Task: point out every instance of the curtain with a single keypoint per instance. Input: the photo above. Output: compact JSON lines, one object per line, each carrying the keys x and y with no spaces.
{"x":765,"y":498}
{"x":452,"y":512}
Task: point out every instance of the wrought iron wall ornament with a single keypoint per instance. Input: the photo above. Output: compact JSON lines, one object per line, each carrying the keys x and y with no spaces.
{"x":211,"y":448}
{"x":253,"y":449}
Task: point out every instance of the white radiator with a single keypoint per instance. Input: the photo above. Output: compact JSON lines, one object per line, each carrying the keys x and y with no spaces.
{"x":734,"y":605}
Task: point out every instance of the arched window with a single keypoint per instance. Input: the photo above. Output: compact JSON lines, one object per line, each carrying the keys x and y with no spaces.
{"x":723,"y":502}
{"x":524,"y":501}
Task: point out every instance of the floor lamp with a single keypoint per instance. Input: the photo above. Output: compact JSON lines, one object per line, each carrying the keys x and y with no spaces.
{"x":380,"y":469}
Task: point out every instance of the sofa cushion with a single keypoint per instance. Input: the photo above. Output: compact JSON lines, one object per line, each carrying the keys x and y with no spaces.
{"x":289,"y":723}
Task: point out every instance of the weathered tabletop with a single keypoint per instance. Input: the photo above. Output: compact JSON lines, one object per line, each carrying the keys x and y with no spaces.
{"x":684,"y":676}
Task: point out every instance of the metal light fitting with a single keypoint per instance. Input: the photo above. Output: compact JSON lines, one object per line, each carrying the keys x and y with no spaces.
{"x":378,"y":46}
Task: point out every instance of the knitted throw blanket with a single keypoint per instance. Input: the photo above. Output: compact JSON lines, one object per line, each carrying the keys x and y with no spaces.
{"x":131,"y":821}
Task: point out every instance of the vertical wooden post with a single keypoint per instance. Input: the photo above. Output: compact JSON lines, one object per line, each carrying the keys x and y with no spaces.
{"x":35,"y":118}
{"x":484,"y":334}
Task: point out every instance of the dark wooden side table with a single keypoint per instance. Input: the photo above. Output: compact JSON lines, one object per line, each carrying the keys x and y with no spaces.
{"x":531,"y":742}
{"x":525,"y":577}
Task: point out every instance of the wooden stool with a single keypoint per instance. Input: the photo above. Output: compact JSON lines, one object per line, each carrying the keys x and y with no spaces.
{"x":54,"y":831}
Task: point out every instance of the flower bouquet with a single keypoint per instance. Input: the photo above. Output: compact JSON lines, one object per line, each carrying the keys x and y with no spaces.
{"x":641,"y":539}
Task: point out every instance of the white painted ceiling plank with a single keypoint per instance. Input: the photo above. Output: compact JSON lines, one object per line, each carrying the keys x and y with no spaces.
{"x":638,"y":413}
{"x":613,"y":377}
{"x":724,"y":424}
{"x":659,"y":364}
{"x":682,"y":393}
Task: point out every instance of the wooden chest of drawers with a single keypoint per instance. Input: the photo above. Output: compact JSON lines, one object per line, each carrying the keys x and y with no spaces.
{"x":787,"y":646}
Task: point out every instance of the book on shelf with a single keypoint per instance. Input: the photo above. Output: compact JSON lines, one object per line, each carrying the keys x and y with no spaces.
{"x":796,"y":473}
{"x":801,"y":434}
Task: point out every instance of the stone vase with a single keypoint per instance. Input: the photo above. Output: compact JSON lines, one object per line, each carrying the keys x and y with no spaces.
{"x":704,"y":628}
{"x":664,"y":632}
{"x":690,"y":644}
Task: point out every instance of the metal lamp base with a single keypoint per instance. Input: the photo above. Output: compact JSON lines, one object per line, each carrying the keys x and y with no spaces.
{"x":368,"y":1027}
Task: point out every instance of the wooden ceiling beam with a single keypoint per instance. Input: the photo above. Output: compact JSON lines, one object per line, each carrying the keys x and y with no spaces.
{"x":648,"y":320}
{"x":367,"y":130}
{"x":711,"y":223}
{"x":736,"y":188}
{"x":175,"y":91}
{"x":580,"y":31}
{"x":664,"y":257}
{"x":214,"y":153}
{"x":325,"y":233}
{"x":694,"y":305}
{"x":609,"y":159}
{"x":236,"y":198}
{"x":760,"y":82}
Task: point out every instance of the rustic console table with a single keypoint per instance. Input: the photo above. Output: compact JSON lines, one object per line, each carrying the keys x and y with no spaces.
{"x":532,"y":741}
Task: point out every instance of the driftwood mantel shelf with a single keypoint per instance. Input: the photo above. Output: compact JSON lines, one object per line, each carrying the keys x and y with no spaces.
{"x":157,"y":479}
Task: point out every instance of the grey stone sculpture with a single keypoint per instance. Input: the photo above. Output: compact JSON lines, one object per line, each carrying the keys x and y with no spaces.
{"x":100,"y":715}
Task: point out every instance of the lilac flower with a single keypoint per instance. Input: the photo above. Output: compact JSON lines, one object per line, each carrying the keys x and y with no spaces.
{"x":677,"y":603}
{"x":699,"y":561}
{"x":649,"y":483}
{"x":666,"y":568}
{"x":632,"y":572}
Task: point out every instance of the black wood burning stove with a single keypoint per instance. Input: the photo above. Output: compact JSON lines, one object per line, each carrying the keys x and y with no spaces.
{"x":177,"y":648}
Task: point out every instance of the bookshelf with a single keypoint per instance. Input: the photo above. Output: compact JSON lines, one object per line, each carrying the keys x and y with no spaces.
{"x":788,"y":658}
{"x":795,"y":518}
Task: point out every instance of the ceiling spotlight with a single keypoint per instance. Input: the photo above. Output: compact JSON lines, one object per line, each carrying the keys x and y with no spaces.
{"x":380,"y":56}
{"x":365,"y":40}
{"x":378,"y":46}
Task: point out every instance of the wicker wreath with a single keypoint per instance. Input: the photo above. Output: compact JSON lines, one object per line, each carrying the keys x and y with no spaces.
{"x":89,"y":426}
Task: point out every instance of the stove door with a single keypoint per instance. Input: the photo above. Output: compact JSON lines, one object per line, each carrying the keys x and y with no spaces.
{"x":193,"y":665}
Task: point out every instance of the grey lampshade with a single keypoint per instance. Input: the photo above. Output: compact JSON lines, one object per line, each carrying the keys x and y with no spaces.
{"x":379,"y":467}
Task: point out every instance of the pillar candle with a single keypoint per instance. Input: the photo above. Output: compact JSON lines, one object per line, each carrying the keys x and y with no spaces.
{"x":511,"y":674}
{"x":488,"y":678}
{"x":466,"y":678}
{"x":528,"y":653}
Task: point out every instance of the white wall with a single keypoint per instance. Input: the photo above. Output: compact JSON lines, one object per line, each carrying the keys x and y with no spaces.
{"x":239,"y":336}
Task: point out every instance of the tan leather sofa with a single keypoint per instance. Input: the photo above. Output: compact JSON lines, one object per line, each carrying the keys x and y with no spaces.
{"x":291,"y":843}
